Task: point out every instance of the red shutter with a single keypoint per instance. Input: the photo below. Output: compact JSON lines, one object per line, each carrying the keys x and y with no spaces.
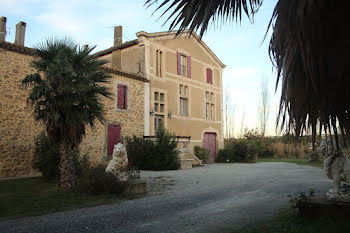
{"x":189,"y":66}
{"x":209,"y":76}
{"x":178,"y":63}
{"x":121,"y":91}
{"x":113,"y":137}
{"x":126,"y":96}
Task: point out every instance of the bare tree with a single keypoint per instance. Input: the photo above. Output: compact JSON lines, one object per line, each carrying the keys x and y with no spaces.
{"x":263,"y":106}
{"x":242,"y":124}
{"x":228,"y":114}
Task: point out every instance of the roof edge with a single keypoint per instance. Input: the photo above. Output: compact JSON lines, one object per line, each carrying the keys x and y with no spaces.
{"x":113,"y":48}
{"x":185,"y":33}
{"x":17,"y":48}
{"x":125,"y":74}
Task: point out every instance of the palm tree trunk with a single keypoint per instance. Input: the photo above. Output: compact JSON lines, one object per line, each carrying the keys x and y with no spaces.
{"x":67,"y":168}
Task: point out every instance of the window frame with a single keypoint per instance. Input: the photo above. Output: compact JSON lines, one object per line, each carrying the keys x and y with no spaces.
{"x":184,"y":94}
{"x":209,"y":105}
{"x":159,"y":63}
{"x":126,"y":104}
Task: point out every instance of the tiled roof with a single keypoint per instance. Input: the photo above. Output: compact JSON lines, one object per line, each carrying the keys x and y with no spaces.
{"x":111,"y":49}
{"x":128,"y":75}
{"x":30,"y":51}
{"x":16,"y":48}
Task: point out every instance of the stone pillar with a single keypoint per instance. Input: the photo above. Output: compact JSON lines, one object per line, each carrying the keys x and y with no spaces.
{"x":20,"y":33}
{"x":118,"y":35}
{"x":2,"y":28}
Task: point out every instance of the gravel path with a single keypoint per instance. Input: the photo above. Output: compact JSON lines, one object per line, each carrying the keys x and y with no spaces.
{"x":211,"y":198}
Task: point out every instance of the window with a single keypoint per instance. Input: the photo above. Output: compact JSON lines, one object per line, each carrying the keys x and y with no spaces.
{"x":159,"y":57}
{"x":159,"y":102}
{"x":209,"y":105}
{"x":183,"y":65}
{"x":184,"y":100}
{"x":122,"y":96}
{"x":159,"y":109}
{"x":209,"y":76}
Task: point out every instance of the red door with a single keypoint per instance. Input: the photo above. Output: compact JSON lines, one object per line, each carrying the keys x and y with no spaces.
{"x":210,"y":144}
{"x":113,"y":137}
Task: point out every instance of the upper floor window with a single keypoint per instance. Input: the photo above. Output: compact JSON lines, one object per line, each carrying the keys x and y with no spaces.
{"x":159,"y":58}
{"x":184,"y":100}
{"x":209,"y":105}
{"x":183,"y":65}
{"x":209,"y":76}
{"x":122,"y":96}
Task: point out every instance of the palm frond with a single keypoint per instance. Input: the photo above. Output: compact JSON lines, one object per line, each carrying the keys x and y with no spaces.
{"x":66,"y":97}
{"x":197,"y":14}
{"x":310,"y":50}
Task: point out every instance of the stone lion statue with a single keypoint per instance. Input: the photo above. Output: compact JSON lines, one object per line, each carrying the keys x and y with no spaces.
{"x":336,"y":165}
{"x":119,"y":163}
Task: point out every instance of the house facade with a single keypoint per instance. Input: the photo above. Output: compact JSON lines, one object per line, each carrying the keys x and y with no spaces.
{"x":156,"y":79}
{"x":184,"y":92}
{"x":124,"y":113}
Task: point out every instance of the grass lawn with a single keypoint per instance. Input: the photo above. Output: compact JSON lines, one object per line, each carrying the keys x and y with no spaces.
{"x":36,"y":196}
{"x":288,"y":222}
{"x":296,"y":161}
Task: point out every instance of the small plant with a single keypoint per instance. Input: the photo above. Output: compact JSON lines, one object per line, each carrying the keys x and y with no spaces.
{"x":201,"y":153}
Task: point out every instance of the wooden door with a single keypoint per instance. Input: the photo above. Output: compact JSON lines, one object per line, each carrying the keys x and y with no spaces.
{"x":113,"y":137}
{"x":210,"y":144}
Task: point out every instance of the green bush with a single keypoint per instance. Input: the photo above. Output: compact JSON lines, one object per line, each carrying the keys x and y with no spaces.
{"x":201,"y":153}
{"x":154,"y":155}
{"x":95,"y":180}
{"x":46,"y":158}
{"x":237,"y":151}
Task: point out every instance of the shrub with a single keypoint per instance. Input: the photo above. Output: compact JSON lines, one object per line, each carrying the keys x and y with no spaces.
{"x":94,"y":180}
{"x":201,"y":153}
{"x":154,"y":155}
{"x":238,"y":151}
{"x":46,"y":158}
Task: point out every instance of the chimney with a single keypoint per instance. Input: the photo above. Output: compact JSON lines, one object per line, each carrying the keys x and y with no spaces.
{"x":20,"y":33}
{"x":118,"y":34}
{"x":2,"y":28}
{"x":117,"y":54}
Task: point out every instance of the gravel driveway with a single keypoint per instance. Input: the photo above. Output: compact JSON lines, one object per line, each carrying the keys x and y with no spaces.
{"x":211,"y":198}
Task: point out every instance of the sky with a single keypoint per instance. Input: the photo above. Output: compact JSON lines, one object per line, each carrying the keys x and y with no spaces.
{"x":240,"y":46}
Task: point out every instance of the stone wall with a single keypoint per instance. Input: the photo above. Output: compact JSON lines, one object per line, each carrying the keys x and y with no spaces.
{"x":18,"y":128}
{"x":131,"y":119}
{"x":17,"y":125}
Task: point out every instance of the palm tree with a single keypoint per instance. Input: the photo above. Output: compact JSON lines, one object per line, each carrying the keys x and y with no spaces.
{"x":66,"y":96}
{"x":309,"y":47}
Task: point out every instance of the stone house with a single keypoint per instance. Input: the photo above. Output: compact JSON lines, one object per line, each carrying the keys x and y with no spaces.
{"x":156,"y":80}
{"x":184,"y":92}
{"x":124,"y":114}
